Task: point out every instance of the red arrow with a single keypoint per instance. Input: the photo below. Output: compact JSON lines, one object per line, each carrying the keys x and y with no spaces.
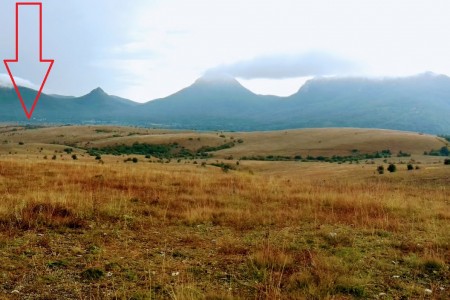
{"x":29,"y":113}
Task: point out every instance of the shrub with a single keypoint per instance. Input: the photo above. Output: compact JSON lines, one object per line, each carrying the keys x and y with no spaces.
{"x":403,"y":154}
{"x":447,"y":161}
{"x":74,"y":157}
{"x":57,"y":264}
{"x":92,"y":274}
{"x":392,"y":168}
{"x":410,"y":167}
{"x":68,"y":150}
{"x":380,"y":170}
{"x":134,"y":160}
{"x":225,"y":167}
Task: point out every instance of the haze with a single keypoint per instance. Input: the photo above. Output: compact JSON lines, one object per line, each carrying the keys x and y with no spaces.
{"x":143,"y":50}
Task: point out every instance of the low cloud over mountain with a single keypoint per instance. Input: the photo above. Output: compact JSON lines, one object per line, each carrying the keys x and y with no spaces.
{"x":288,"y":66}
{"x":5,"y":81}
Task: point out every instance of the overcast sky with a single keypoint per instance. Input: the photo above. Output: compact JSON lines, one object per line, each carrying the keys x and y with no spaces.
{"x":145,"y":49}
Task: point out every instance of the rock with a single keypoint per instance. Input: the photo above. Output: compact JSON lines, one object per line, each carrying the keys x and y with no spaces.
{"x":428,"y":291}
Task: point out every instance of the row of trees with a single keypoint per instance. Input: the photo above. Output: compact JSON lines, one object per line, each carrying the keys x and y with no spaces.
{"x":393,"y":168}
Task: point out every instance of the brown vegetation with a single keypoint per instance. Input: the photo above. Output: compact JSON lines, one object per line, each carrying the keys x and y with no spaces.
{"x":188,"y":232}
{"x":268,"y":230}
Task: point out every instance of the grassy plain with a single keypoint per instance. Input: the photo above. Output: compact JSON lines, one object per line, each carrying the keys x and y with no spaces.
{"x":79,"y":229}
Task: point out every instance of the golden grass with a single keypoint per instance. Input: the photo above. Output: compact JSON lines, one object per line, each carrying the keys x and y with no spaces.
{"x":80,"y":230}
{"x":315,"y":142}
{"x":330,"y":141}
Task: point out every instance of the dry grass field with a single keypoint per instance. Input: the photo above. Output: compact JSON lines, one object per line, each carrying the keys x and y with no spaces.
{"x":80,"y":229}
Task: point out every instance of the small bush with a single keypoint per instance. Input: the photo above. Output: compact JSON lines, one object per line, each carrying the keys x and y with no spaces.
{"x":392,"y":168}
{"x":92,"y":274}
{"x":410,"y":167}
{"x":58,"y":264}
{"x":68,"y":150}
{"x":74,"y":157}
{"x":356,"y":291}
{"x":134,"y":160}
{"x":225,"y":167}
{"x":447,"y":161}
{"x":380,"y":170}
{"x":433,"y":265}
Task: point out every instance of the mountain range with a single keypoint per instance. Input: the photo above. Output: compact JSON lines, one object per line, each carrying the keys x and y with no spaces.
{"x":417,"y":103}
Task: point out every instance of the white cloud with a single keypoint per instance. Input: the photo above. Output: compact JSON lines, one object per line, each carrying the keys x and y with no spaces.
{"x":281,"y":66}
{"x":189,"y":37}
{"x":5,"y":81}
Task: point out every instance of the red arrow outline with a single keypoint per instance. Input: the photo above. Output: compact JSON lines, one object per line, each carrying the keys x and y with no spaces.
{"x":51,"y":61}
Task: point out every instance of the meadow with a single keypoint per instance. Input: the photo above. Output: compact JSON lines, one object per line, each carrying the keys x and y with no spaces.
{"x":183,"y":229}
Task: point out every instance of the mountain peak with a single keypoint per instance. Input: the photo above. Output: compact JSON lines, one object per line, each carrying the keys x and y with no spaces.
{"x":217,"y":78}
{"x":98,"y":92}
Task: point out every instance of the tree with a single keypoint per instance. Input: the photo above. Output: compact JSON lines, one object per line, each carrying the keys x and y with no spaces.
{"x":392,"y":168}
{"x":444,"y":151}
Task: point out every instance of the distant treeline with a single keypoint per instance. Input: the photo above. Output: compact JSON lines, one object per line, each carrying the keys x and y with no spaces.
{"x":444,"y":151}
{"x":356,"y":156}
{"x":166,"y":151}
